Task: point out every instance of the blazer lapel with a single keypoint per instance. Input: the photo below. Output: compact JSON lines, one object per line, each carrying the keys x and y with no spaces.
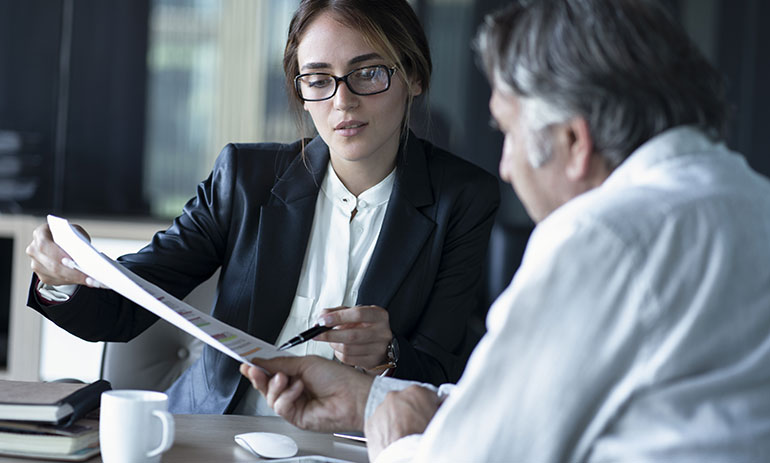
{"x":404,"y":229}
{"x":284,"y":230}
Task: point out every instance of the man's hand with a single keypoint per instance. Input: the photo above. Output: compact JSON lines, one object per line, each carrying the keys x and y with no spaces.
{"x":312,"y":392}
{"x":401,"y":414}
{"x":51,"y":264}
{"x":360,"y":336}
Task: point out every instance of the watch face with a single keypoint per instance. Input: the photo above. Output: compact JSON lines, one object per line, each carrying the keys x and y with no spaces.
{"x":393,"y":350}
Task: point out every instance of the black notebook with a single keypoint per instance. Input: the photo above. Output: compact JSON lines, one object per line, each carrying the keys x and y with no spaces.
{"x":49,"y":402}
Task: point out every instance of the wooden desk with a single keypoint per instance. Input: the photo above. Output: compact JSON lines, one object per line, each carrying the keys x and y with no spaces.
{"x":209,"y":439}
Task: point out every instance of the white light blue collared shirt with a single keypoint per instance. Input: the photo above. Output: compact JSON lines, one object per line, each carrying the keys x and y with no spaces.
{"x":637,"y":328}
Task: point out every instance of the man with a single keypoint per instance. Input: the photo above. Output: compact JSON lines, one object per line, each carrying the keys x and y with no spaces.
{"x":636,"y":328}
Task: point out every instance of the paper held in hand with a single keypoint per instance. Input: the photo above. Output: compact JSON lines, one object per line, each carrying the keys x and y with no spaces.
{"x":237,"y":344}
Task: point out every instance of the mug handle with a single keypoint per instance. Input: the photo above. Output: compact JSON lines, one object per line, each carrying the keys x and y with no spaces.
{"x":167,"y":420}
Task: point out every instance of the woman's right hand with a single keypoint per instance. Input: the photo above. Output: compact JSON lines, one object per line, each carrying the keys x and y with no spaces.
{"x":51,"y":264}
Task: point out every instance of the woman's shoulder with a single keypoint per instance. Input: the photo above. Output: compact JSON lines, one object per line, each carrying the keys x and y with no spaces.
{"x":255,"y":161}
{"x":263,"y":152}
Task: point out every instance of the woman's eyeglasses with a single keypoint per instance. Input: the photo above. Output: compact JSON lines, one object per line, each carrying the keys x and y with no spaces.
{"x":319,"y":86}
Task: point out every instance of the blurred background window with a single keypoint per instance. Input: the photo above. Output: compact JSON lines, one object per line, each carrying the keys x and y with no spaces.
{"x":214,"y":76}
{"x":118,"y":109}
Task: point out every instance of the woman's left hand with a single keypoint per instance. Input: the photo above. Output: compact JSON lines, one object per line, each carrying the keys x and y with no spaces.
{"x":360,"y":336}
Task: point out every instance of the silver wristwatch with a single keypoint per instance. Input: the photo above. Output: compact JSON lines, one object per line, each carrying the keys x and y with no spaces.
{"x":393,"y":353}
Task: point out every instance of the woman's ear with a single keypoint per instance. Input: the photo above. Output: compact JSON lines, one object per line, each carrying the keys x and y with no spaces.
{"x":416,"y":88}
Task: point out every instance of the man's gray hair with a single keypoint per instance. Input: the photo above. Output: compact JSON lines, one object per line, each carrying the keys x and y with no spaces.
{"x":625,"y":66}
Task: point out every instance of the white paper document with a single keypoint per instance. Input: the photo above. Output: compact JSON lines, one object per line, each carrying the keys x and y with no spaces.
{"x":237,"y":344}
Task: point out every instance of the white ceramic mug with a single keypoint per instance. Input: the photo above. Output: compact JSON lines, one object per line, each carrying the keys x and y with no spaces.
{"x":134,"y":426}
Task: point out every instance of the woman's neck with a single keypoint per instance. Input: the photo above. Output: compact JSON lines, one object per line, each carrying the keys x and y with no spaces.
{"x":358,"y":178}
{"x":362,"y":174}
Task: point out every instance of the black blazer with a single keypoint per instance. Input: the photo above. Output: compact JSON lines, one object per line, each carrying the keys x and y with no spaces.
{"x":252,"y":216}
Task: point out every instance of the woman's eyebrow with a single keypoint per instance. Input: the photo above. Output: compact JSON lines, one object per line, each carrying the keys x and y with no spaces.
{"x":314,"y":66}
{"x":366,"y":57}
{"x":356,"y":60}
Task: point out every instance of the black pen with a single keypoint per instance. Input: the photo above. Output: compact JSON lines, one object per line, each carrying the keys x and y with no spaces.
{"x":305,"y":336}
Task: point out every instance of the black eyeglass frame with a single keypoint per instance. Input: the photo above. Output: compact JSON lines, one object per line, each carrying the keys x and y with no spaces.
{"x":337,"y":80}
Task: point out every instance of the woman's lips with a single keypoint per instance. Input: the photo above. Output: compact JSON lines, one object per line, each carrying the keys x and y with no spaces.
{"x":350,"y":128}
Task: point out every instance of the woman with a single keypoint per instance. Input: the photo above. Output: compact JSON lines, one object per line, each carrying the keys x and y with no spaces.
{"x":364,"y":228}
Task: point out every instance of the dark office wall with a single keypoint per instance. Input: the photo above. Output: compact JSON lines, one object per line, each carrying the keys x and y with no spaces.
{"x":742,"y":39}
{"x":105,"y":125}
{"x":72,"y":91}
{"x":29,"y":50}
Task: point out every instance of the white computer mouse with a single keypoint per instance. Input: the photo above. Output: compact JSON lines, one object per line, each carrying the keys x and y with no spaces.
{"x":267,"y":444}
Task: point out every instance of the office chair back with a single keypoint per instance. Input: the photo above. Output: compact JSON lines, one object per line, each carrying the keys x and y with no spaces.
{"x":157,"y":357}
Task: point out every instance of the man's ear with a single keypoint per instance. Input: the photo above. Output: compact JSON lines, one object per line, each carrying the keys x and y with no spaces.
{"x":581,"y":147}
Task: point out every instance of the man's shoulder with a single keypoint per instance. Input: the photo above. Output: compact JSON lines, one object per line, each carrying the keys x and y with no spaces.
{"x":630,"y":215}
{"x":692,"y":192}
